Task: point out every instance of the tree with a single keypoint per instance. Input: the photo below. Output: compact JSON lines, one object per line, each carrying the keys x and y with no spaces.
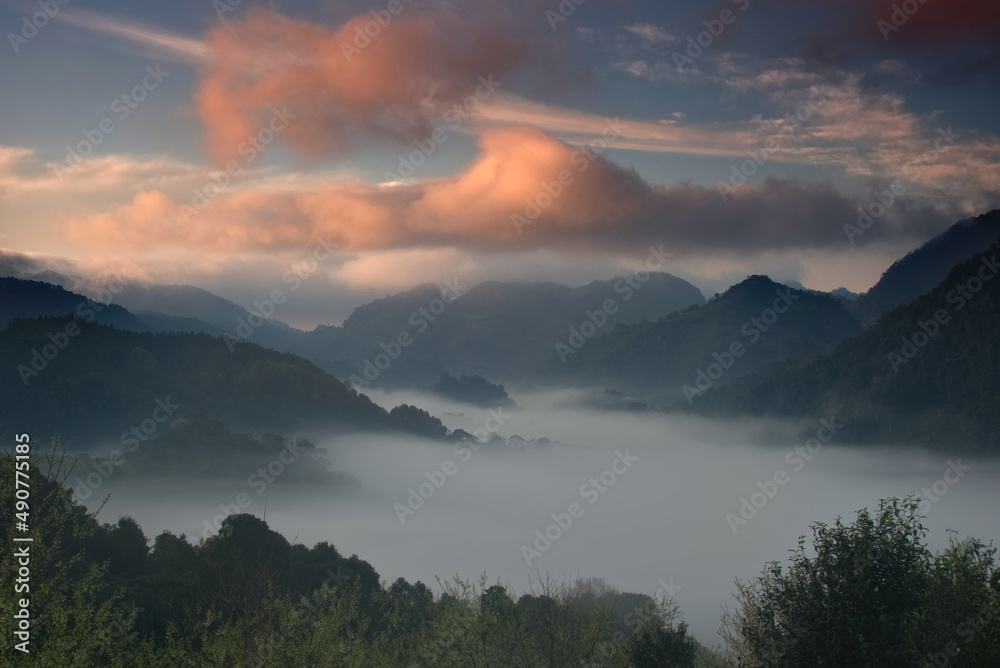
{"x":657,"y":646}
{"x":872,"y":595}
{"x":73,"y":613}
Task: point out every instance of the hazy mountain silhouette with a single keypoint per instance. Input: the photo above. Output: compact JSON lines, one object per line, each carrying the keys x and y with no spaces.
{"x":104,"y":381}
{"x":498,"y":330}
{"x":925,"y":267}
{"x":659,"y":358}
{"x":35,"y":299}
{"x":924,"y":373}
{"x":185,"y":308}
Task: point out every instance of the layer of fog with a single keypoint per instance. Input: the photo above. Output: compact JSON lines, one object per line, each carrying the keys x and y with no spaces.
{"x":662,"y":521}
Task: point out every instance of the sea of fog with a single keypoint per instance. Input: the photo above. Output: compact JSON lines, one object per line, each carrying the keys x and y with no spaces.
{"x":657,"y":517}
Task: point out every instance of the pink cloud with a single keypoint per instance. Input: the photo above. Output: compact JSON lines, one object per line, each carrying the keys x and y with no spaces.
{"x":344,"y":85}
{"x":524,"y":191}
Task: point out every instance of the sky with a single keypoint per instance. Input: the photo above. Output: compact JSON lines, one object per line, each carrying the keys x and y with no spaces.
{"x":373,"y":146}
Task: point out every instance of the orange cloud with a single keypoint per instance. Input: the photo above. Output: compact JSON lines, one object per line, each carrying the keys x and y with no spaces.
{"x":525,"y":191}
{"x":387,"y":83}
{"x":511,"y":173}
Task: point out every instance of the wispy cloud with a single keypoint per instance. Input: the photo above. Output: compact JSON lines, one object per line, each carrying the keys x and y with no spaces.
{"x":23,"y":174}
{"x":578,"y":127}
{"x":146,"y":40}
{"x":650,"y":33}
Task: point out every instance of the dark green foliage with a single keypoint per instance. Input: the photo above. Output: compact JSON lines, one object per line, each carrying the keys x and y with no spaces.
{"x":73,"y":603}
{"x":654,"y":646}
{"x":417,"y":421}
{"x":869,"y":594}
{"x":106,"y":381}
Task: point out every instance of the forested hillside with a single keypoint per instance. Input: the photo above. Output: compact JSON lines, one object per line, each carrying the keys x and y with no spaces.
{"x":925,"y":267}
{"x":99,"y":382}
{"x":765,"y":320}
{"x":928,"y":373}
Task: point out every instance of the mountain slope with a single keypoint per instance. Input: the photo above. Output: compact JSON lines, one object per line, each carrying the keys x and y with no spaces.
{"x":924,"y":268}
{"x":34,"y":299}
{"x":926,"y":373}
{"x":102,"y":382}
{"x":761,"y":318}
{"x":185,"y":308}
{"x":497,"y":330}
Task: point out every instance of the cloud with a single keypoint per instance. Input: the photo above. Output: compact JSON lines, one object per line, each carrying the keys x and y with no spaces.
{"x":841,"y":123}
{"x":894,"y":67}
{"x":833,"y":118}
{"x":347,"y":89}
{"x":651,"y":33}
{"x":871,"y":134}
{"x":23,"y":174}
{"x":402,"y":269}
{"x":344,"y":86}
{"x":579,"y":127}
{"x":508,"y":199}
{"x":763,"y":75}
{"x":397,"y":87}
{"x":143,"y":39}
{"x":651,"y":71}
